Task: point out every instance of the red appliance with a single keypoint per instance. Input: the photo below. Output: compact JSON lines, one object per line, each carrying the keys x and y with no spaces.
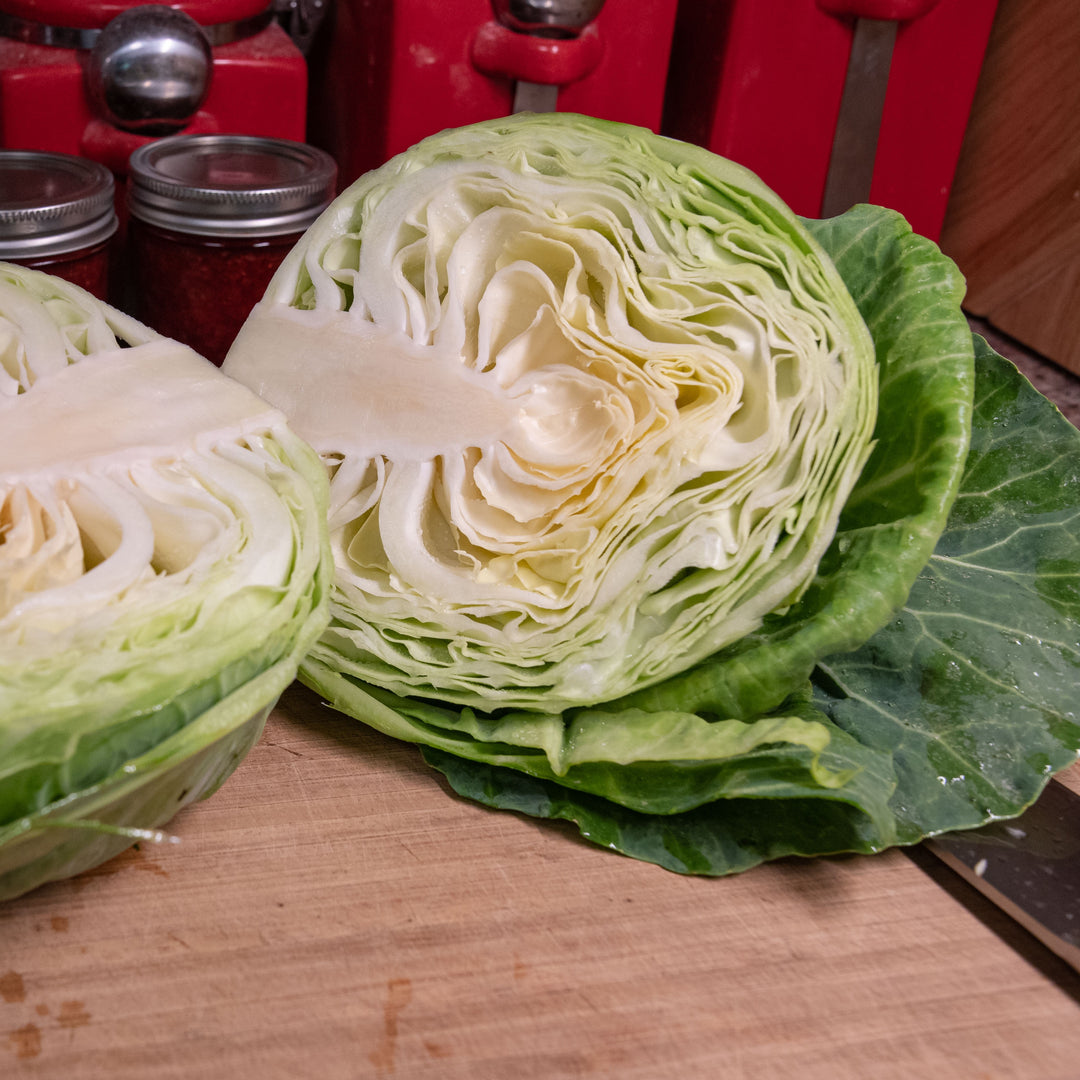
{"x":386,"y":74}
{"x":258,"y":83}
{"x":762,"y":83}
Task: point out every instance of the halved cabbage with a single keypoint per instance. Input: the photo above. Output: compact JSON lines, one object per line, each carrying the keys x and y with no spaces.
{"x":591,"y":402}
{"x":163,"y":569}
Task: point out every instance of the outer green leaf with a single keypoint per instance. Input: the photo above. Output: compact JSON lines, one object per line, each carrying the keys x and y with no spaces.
{"x":98,"y":821}
{"x":653,"y":762}
{"x":972,"y":688}
{"x":715,"y":839}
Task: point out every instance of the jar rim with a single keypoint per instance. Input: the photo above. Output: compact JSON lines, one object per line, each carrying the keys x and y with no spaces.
{"x":54,"y":203}
{"x":230,"y":185}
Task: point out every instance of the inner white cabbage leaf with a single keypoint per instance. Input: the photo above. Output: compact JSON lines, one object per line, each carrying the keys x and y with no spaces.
{"x":590,"y":410}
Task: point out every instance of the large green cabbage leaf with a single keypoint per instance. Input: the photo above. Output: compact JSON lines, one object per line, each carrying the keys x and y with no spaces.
{"x":163,"y":569}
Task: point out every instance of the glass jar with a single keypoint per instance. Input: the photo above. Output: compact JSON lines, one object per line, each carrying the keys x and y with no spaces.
{"x":57,"y":214}
{"x":210,"y":217}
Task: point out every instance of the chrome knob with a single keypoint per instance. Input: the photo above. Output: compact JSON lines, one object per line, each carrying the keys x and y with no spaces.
{"x":149,"y":70}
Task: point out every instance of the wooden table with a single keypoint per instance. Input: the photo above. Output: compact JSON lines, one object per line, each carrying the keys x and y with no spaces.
{"x":334,"y":912}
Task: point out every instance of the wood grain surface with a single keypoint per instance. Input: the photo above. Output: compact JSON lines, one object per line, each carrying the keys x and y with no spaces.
{"x":334,"y":912}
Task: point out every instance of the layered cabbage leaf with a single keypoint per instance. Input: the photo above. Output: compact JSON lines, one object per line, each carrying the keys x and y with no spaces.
{"x":591,"y":402}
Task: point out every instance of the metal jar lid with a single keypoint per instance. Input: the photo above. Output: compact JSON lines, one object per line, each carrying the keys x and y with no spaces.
{"x":53,"y":204}
{"x":229,"y":185}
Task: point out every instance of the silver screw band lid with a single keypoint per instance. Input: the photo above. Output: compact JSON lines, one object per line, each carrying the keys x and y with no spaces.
{"x":230,"y":185}
{"x":53,"y":204}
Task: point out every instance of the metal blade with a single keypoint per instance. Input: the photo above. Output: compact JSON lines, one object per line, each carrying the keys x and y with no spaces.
{"x":851,"y":166}
{"x":535,"y":97}
{"x":1029,"y":867}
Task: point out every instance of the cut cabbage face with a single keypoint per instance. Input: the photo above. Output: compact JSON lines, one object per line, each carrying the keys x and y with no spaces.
{"x":590,"y":401}
{"x":162,"y":571}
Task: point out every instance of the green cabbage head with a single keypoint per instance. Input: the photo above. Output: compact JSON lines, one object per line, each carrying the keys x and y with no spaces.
{"x":591,"y":402}
{"x":659,"y":510}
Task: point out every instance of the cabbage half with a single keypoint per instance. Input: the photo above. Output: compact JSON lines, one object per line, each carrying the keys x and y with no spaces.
{"x":640,"y":492}
{"x":162,"y":572}
{"x":591,"y":403}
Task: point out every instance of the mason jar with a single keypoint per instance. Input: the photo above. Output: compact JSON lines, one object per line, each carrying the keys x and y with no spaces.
{"x":210,"y":217}
{"x":57,"y":214}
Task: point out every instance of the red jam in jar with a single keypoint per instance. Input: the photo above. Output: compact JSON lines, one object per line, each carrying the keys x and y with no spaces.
{"x":57,"y":215}
{"x":210,"y":217}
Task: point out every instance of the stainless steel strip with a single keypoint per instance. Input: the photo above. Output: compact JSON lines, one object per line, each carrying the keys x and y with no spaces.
{"x":535,"y":97}
{"x":851,"y":166}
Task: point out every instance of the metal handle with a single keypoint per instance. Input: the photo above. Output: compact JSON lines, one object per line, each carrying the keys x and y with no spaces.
{"x":547,"y":18}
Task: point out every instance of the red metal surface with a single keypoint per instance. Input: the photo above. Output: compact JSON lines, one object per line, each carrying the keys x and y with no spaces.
{"x":761,"y":90}
{"x":387,"y":73}
{"x":890,"y":10}
{"x":935,"y":70}
{"x":498,"y":51}
{"x":259,"y":87}
{"x":93,"y":14}
{"x":765,"y":92}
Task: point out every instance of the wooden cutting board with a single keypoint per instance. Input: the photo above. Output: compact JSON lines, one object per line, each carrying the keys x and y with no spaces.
{"x":334,"y":912}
